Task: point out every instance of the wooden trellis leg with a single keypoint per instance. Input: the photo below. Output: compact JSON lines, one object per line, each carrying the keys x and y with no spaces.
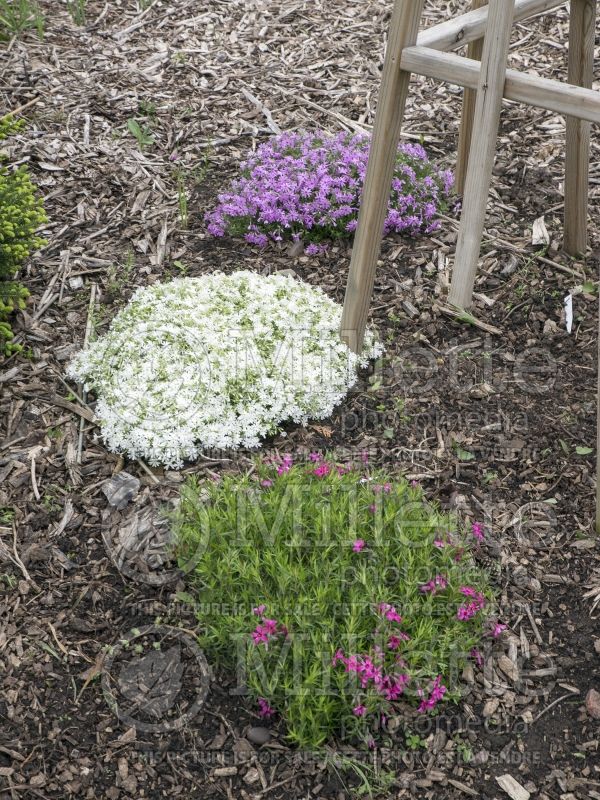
{"x":483,"y":148}
{"x":403,"y":32}
{"x":581,"y":72}
{"x":474,"y":50}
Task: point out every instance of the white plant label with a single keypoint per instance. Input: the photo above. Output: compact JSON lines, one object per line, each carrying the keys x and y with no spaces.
{"x":568,"y":302}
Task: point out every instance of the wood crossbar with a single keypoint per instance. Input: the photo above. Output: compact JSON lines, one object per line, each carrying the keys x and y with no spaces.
{"x":468,"y":27}
{"x":562,"y":98}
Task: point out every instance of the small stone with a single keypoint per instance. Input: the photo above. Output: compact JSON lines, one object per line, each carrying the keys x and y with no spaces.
{"x":597,"y":646}
{"x":258,"y":735}
{"x":592,"y":703}
{"x":76,"y":282}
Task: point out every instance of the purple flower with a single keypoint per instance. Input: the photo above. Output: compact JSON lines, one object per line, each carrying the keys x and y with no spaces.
{"x":432,"y":586}
{"x":322,"y":470}
{"x":285,"y":465}
{"x":264,"y":709}
{"x":497,"y":628}
{"x":436,"y":692}
{"x":359,"y":711}
{"x":309,"y":185}
{"x":477,"y":529}
{"x":470,"y":609}
{"x":358,"y":545}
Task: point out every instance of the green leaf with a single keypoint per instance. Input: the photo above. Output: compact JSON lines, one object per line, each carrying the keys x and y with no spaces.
{"x":584,"y":451}
{"x":464,"y":455}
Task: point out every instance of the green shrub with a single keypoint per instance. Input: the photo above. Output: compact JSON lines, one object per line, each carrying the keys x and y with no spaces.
{"x":21,"y":214}
{"x":338,"y":592}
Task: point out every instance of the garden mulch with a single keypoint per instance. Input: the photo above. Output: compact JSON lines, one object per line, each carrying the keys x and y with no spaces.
{"x":496,"y":419}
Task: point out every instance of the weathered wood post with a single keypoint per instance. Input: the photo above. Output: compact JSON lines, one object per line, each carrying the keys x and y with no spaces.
{"x":490,"y":90}
{"x":404,"y":28}
{"x":474,"y":50}
{"x":582,"y":28}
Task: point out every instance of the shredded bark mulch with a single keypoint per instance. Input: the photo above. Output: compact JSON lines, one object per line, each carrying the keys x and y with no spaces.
{"x":496,"y":418}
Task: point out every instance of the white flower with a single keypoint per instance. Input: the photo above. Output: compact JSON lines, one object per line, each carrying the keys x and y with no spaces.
{"x":217,"y":362}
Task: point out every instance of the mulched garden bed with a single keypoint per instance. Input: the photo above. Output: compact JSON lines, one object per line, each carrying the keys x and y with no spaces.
{"x":496,"y":422}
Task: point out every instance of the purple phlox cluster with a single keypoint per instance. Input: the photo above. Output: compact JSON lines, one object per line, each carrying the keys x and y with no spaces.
{"x":358,"y":545}
{"x":389,"y":612}
{"x":264,"y":709}
{"x":477,"y":530}
{"x":436,"y":692}
{"x":370,"y":674}
{"x":439,"y":582}
{"x":310,"y":185}
{"x":287,"y":462}
{"x":447,"y":541}
{"x":468,"y":610}
{"x":396,"y":640}
{"x":267,"y":629}
{"x":378,"y":488}
{"x":321,"y":468}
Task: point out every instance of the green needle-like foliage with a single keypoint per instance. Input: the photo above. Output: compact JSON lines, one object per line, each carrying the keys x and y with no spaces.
{"x":21,"y":214}
{"x":336,"y":592}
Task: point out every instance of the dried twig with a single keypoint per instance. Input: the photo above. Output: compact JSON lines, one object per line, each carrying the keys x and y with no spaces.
{"x":88,"y":330}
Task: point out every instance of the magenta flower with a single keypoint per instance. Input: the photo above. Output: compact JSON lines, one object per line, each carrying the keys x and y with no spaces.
{"x":389,"y":612}
{"x":260,"y":635}
{"x":264,"y":709}
{"x":316,"y":457}
{"x":259,"y":610}
{"x":432,"y":586}
{"x":436,"y":692}
{"x":322,"y":470}
{"x":497,"y":629}
{"x":358,"y":545}
{"x":477,"y":529}
{"x":264,"y":632}
{"x":266,"y":483}
{"x":285,"y":465}
{"x":477,"y":656}
{"x":359,"y":711}
{"x":396,"y":640}
{"x":469,"y":610}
